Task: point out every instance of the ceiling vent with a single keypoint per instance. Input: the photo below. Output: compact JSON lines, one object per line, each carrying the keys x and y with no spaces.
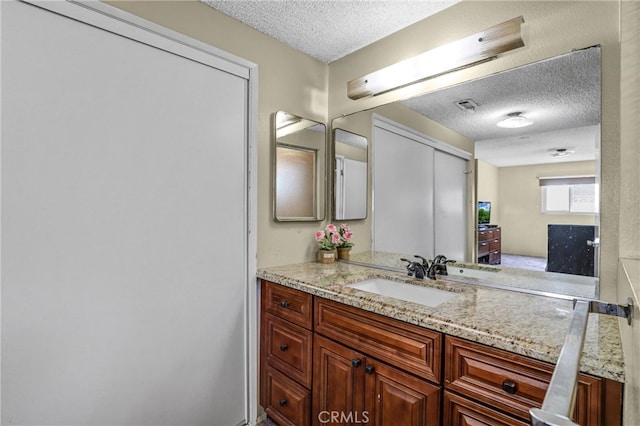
{"x":561,"y":152}
{"x":467,"y":105}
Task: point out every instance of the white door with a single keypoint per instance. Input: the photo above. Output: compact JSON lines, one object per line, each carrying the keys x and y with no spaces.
{"x":450,"y":201}
{"x":402,"y":194}
{"x":124,"y":225}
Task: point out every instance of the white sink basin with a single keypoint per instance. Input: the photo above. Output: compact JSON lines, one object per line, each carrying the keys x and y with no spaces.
{"x":411,"y":293}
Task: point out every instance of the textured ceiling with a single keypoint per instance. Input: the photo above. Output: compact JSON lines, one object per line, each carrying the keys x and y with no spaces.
{"x":328,"y":30}
{"x":561,"y":95}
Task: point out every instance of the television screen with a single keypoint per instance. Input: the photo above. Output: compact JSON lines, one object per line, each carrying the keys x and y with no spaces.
{"x":484,"y":212}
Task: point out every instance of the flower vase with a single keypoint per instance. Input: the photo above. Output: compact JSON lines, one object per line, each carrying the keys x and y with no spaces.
{"x":344,"y":253}
{"x":327,"y":256}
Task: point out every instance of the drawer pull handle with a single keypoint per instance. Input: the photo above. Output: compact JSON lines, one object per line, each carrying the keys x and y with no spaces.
{"x":509,"y":387}
{"x":356,"y":363}
{"x":282,"y":402}
{"x":284,"y":347}
{"x":369,"y":369}
{"x":284,"y":304}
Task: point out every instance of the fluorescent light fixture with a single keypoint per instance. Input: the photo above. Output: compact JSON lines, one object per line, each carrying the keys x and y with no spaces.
{"x":514,"y":120}
{"x":472,"y":50}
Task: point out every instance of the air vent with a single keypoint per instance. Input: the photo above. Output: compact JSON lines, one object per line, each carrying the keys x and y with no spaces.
{"x":467,"y":105}
{"x":560,"y":152}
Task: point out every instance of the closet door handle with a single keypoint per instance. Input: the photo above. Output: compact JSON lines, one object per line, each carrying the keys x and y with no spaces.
{"x":356,"y":363}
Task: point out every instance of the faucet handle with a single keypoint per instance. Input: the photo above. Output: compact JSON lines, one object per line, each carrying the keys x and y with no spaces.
{"x":411,"y":266}
{"x":425,"y":262}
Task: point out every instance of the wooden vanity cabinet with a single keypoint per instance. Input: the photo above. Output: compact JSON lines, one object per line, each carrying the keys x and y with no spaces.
{"x":513,"y":384}
{"x":321,"y":358}
{"x":286,"y":350}
{"x":347,"y":378}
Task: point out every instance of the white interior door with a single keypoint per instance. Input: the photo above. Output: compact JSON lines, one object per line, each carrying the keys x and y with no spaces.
{"x":124,"y":227}
{"x":402,"y":194}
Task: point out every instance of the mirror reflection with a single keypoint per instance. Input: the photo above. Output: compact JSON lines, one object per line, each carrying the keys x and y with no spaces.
{"x":350,"y":175}
{"x":539,"y":171}
{"x":299,"y":152}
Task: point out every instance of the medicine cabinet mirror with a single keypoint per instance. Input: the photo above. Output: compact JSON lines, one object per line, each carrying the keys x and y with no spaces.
{"x":299,"y":177}
{"x":350,"y":177}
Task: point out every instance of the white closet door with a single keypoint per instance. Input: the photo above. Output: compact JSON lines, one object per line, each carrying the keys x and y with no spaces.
{"x":403,"y":194}
{"x":124,"y":246}
{"x":450,"y":201}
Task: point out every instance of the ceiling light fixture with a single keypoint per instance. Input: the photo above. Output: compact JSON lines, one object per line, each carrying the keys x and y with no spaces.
{"x":514,"y":120}
{"x":472,"y":50}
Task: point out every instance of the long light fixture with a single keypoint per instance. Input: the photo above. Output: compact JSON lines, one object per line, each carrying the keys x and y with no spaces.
{"x":514,"y":120}
{"x":472,"y":50}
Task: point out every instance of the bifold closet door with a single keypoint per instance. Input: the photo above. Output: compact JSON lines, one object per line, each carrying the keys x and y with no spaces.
{"x":124,"y":224}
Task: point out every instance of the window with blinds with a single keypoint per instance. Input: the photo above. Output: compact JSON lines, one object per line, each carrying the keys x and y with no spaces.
{"x":570,"y":195}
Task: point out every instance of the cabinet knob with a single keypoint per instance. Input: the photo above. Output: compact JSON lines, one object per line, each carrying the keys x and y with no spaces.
{"x":284,"y":304}
{"x":282,"y":402}
{"x":356,"y":363}
{"x":284,"y":347}
{"x":509,"y":387}
{"x":369,"y":369}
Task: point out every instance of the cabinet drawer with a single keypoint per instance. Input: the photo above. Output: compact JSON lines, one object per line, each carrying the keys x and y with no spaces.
{"x":288,"y":303}
{"x":459,"y":411}
{"x":288,"y":348}
{"x":497,"y":233}
{"x":483,"y":248}
{"x":494,"y":245}
{"x":485,"y":235}
{"x":510,"y":382}
{"x":287,"y":402}
{"x":403,"y":345}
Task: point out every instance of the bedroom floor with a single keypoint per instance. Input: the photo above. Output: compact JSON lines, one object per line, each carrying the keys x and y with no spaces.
{"x":524,"y":262}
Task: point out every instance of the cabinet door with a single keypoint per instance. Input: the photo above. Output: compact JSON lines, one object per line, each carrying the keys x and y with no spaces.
{"x":337,"y":384}
{"x":396,"y":398}
{"x":459,"y":411}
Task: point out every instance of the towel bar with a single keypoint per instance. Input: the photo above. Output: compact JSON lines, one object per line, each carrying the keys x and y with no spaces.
{"x":560,"y":398}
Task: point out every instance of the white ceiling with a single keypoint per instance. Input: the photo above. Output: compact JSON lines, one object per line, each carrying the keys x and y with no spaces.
{"x":561,"y":95}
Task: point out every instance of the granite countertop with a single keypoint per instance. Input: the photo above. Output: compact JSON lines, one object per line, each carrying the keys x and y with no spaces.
{"x":526,"y":324}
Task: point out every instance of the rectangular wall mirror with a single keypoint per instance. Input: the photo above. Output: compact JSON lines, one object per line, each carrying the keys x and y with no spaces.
{"x":299,"y":177}
{"x":540,"y":171}
{"x":350,"y":188}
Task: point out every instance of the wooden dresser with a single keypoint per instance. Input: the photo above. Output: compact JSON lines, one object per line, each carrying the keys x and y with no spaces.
{"x":489,"y":245}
